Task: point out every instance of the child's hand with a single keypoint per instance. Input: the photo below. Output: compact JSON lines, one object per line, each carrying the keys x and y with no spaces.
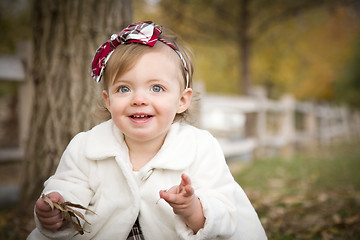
{"x":185,"y":203}
{"x":49,"y":219}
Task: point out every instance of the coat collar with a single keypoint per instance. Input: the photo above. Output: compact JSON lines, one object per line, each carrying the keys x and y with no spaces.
{"x":105,"y":141}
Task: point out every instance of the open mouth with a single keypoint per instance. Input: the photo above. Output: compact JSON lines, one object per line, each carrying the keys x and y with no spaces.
{"x":140,"y":116}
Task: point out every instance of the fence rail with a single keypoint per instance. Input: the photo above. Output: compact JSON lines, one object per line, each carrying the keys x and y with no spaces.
{"x":246,"y":126}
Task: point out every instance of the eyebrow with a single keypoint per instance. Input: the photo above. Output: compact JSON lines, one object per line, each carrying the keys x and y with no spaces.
{"x":117,"y":81}
{"x":153,"y":80}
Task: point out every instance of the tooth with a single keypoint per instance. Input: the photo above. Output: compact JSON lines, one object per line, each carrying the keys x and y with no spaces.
{"x":140,"y":116}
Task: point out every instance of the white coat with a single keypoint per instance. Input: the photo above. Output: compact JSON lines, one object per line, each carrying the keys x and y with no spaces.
{"x":95,"y":171}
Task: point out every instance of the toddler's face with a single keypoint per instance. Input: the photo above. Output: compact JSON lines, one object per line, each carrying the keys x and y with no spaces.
{"x":143,"y":102}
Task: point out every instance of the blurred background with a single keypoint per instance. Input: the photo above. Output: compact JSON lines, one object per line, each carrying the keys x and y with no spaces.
{"x":277,"y":82}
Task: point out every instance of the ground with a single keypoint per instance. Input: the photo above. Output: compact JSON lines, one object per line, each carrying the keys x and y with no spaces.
{"x":315,"y":195}
{"x":310,"y":196}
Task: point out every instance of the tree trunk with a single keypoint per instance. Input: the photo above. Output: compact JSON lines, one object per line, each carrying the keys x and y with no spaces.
{"x":244,"y":47}
{"x":66,"y":34}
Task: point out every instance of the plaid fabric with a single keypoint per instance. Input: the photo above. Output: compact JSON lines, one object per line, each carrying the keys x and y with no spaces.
{"x":135,"y":233}
{"x":146,"y":33}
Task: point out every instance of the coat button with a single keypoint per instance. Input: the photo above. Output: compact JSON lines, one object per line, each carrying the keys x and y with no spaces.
{"x":147,"y":175}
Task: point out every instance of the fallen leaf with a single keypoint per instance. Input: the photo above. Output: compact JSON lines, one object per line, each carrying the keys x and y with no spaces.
{"x":336,"y":218}
{"x":291,"y":200}
{"x":69,"y":204}
{"x":68,"y":213}
{"x":48,"y":201}
{"x":352,"y":219}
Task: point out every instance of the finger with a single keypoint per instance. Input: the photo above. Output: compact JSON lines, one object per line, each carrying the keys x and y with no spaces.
{"x":51,"y":223}
{"x":185,"y":180}
{"x":56,"y":197}
{"x":174,"y":189}
{"x":41,"y":205}
{"x":163,"y":194}
{"x":53,"y":227}
{"x":172,"y":199}
{"x":48,"y":214}
{"x":166,"y":195}
{"x":50,"y":220}
{"x":189,"y":191}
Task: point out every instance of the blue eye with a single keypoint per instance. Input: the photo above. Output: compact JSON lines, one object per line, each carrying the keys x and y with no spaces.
{"x":157,"y":88}
{"x":124,"y":89}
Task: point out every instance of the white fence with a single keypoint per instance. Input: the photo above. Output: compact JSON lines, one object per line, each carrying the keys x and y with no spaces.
{"x":246,"y":126}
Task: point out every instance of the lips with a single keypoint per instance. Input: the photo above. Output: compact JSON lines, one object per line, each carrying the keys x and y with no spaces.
{"x":140,"y":118}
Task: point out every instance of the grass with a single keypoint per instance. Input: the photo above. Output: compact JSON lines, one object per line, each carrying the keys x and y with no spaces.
{"x":315,"y":195}
{"x":333,"y":168}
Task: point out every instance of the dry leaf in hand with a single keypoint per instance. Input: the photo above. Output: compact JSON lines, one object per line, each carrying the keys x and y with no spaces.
{"x":68,"y":213}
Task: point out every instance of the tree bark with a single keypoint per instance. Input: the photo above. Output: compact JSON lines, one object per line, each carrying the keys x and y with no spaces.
{"x":66,"y":34}
{"x":244,"y":47}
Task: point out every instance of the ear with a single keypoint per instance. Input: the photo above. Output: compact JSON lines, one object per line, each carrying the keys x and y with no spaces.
{"x":106,"y":99}
{"x":185,"y":100}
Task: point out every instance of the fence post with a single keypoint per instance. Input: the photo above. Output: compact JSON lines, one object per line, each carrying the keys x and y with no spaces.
{"x":287,"y":128}
{"x":310,"y":126}
{"x":258,"y":118}
{"x":355,"y":125}
{"x":345,"y":121}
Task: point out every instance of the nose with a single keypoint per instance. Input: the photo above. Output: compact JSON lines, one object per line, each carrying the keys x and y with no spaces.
{"x":139,"y":98}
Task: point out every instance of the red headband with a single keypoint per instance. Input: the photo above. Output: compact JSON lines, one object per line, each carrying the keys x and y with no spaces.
{"x":146,"y":33}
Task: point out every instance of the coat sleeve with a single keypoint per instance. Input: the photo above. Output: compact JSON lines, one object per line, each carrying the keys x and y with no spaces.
{"x":71,"y":181}
{"x":228,"y":212}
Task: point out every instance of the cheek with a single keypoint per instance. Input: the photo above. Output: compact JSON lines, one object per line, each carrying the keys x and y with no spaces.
{"x":170,"y":106}
{"x":116,"y":106}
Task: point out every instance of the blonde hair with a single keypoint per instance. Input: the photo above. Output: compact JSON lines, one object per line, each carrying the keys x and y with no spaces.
{"x":125,"y":56}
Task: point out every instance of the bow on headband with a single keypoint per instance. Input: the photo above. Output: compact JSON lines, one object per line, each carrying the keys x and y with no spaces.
{"x":146,"y":33}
